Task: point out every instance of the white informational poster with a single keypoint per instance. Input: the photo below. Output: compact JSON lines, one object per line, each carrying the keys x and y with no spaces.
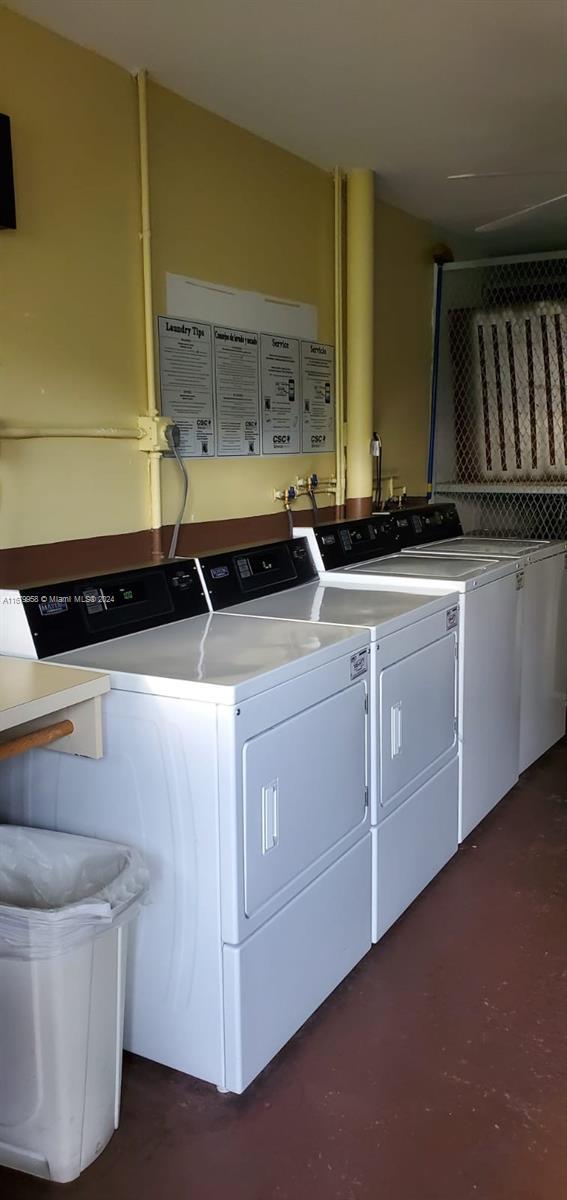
{"x":186,"y":383}
{"x":318,"y":397}
{"x":221,"y":304}
{"x":237,"y":390}
{"x":280,"y":381}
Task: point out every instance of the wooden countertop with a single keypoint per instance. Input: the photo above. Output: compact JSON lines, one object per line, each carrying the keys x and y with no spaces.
{"x":30,"y":689}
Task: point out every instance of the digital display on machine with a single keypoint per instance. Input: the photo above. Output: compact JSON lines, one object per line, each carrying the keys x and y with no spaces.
{"x":133,"y":594}
{"x":98,"y":600}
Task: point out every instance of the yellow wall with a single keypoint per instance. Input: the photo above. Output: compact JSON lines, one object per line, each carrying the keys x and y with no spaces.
{"x":226,"y":206}
{"x":229,"y":207}
{"x":404,"y":283}
{"x":70,"y":311}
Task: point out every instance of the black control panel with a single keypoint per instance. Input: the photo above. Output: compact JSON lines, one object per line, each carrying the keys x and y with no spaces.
{"x":80,"y":612}
{"x":428,"y":523}
{"x":236,"y":575}
{"x":344,"y":542}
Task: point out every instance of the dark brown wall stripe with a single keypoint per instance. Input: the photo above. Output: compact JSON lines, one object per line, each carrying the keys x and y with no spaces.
{"x":30,"y":564}
{"x":358,"y":507}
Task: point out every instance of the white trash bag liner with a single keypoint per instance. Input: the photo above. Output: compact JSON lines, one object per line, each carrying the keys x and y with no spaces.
{"x":58,"y":890}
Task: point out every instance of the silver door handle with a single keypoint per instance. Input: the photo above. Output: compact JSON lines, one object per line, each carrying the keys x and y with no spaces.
{"x":396,"y":729}
{"x":269,"y":815}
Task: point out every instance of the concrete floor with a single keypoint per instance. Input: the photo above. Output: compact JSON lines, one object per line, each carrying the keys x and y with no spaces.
{"x":437,"y":1071}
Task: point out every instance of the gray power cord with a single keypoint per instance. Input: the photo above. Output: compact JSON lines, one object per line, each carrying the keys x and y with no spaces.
{"x":173,"y":435}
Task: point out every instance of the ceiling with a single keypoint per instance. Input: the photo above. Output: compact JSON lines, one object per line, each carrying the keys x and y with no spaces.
{"x":415,"y":89}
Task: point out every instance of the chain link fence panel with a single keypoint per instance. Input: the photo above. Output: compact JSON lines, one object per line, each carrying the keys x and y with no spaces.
{"x":501,"y":406}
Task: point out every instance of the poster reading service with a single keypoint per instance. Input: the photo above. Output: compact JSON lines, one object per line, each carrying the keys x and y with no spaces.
{"x":280,"y":380}
{"x":237,"y":391}
{"x":317,"y":390}
{"x":186,"y":383}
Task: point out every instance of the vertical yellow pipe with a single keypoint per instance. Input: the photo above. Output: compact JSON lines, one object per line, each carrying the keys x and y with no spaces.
{"x":360,"y":340}
{"x":339,"y":339}
{"x":154,"y":457}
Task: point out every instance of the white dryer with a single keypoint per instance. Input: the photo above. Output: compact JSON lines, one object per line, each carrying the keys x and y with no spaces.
{"x":359,"y":552}
{"x":236,"y":759}
{"x":413,"y":730}
{"x":543,"y":605}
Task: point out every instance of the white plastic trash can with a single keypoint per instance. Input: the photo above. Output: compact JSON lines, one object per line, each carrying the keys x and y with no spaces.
{"x":65,"y":905}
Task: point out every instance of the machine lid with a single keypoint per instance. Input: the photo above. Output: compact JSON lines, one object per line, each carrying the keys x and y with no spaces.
{"x":381,"y":612}
{"x":462,"y":572}
{"x":486,"y":547}
{"x":219,"y":657}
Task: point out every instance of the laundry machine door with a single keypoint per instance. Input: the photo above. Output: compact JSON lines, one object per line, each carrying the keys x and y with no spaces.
{"x":417,"y":713}
{"x":304,"y":792}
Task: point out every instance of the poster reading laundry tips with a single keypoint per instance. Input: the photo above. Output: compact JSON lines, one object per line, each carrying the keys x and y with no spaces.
{"x":186,"y":383}
{"x":318,"y":396}
{"x":280,"y":401}
{"x":237,"y":390}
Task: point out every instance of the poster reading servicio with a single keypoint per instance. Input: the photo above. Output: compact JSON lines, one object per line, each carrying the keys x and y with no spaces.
{"x":317,"y":397}
{"x":280,"y":404}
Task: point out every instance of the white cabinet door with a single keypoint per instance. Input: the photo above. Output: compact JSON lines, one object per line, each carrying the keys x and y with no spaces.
{"x":544,"y":666}
{"x":490,"y":699}
{"x":279,"y":976}
{"x":417,"y":713}
{"x":304,"y":790}
{"x":411,"y":846}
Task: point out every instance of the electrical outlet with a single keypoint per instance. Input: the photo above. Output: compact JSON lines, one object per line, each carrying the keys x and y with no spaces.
{"x":152,"y":434}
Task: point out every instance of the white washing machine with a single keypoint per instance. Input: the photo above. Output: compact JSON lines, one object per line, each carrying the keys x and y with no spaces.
{"x":489,"y":643}
{"x":543,"y":604}
{"x":413,"y":732}
{"x":236,"y":758}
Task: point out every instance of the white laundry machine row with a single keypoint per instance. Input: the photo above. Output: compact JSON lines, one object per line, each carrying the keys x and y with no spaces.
{"x":543,"y":620}
{"x":360,"y":553}
{"x":413,"y":725}
{"x":236,"y":758}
